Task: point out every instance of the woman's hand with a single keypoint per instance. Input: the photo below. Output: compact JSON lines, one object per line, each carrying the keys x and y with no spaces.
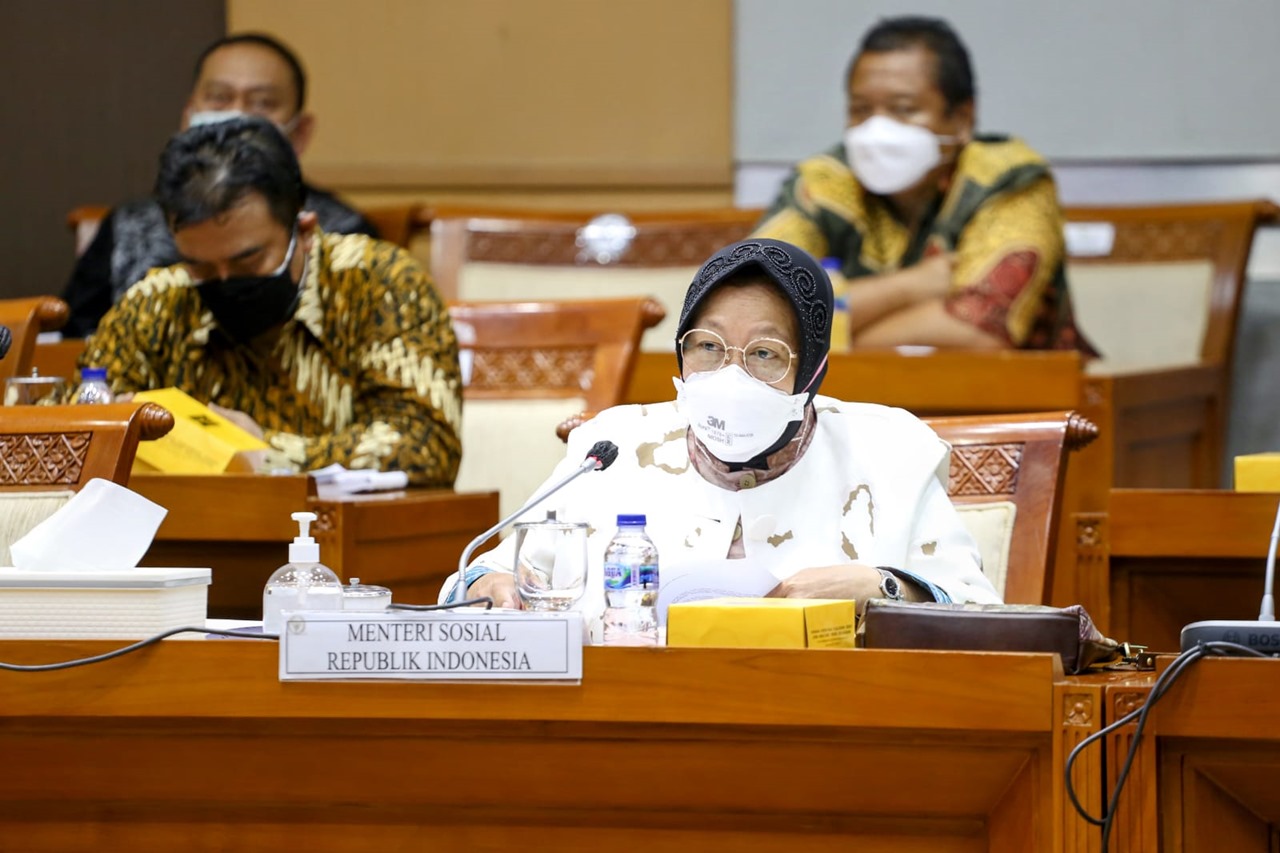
{"x":499,"y":586}
{"x":849,"y":580}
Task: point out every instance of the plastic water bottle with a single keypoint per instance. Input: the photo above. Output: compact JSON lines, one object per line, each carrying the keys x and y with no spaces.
{"x":93,"y":386}
{"x":631,"y":586}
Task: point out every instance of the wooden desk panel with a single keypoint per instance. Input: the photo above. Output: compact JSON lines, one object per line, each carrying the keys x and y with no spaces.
{"x":689,"y":749}
{"x":1207,"y":773}
{"x":239,"y":525}
{"x":1180,"y":556}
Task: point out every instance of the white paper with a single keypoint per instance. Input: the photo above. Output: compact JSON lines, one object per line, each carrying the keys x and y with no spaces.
{"x":342,"y":481}
{"x":745,"y":578}
{"x":103,"y":526}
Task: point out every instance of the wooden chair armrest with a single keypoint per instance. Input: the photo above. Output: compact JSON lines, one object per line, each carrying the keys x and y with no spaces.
{"x":154,"y":421}
{"x":1080,"y":431}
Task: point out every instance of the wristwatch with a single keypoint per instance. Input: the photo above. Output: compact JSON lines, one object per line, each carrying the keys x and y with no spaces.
{"x":890,"y":586}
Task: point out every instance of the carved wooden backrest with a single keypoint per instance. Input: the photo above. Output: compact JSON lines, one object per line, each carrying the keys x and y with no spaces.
{"x":527,"y":366}
{"x":513,"y":350}
{"x":26,"y":318}
{"x":574,"y":255}
{"x":1020,"y":459}
{"x":60,"y":448}
{"x":1166,"y":238}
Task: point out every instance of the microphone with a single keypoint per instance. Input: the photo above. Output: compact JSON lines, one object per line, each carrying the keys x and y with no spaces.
{"x":601,"y":455}
{"x":6,"y":341}
{"x":1261,"y":635}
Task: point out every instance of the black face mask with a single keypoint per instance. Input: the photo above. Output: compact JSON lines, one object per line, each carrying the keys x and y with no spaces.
{"x":247,"y":306}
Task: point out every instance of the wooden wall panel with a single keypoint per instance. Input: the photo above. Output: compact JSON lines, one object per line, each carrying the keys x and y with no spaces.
{"x":489,"y":99}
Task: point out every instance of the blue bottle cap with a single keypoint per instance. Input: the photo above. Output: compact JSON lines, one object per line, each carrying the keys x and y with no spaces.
{"x":631,"y":520}
{"x":91,"y":373}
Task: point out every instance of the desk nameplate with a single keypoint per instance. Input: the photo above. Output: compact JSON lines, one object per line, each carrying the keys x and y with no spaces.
{"x":432,"y":646}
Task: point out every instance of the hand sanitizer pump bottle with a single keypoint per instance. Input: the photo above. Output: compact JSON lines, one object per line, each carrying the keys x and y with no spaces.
{"x":303,"y":583}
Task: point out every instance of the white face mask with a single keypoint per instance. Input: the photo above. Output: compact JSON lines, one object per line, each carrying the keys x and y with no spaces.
{"x":216,"y":116}
{"x":735,"y":416}
{"x":888,"y":156}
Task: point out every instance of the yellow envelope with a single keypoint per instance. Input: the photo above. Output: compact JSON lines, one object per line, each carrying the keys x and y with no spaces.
{"x":201,"y":441}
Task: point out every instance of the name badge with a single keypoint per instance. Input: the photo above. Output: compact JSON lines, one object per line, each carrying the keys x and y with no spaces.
{"x":444,"y":645}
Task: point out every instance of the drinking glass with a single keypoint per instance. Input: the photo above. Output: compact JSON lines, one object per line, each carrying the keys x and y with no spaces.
{"x":34,"y":390}
{"x":551,"y":563}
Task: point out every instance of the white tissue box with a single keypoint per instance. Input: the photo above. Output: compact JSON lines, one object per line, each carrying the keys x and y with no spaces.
{"x":122,"y":604}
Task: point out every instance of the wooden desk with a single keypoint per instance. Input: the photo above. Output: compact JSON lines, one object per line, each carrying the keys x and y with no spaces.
{"x":1207,"y":774}
{"x":686,"y":749}
{"x":1179,"y":556}
{"x":239,"y":525}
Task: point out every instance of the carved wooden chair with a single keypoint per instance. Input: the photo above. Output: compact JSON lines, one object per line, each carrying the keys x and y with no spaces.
{"x":47,"y":453}
{"x":26,"y":318}
{"x":1006,"y":479}
{"x":1158,"y":290}
{"x":574,"y":255}
{"x":526,"y":367}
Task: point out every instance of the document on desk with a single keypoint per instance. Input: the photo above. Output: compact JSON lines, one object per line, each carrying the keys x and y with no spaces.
{"x":745,"y":578}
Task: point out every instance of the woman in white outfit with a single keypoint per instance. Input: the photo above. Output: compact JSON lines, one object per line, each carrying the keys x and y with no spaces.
{"x":837,"y":500}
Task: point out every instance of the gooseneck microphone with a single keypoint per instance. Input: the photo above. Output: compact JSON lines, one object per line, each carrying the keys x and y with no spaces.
{"x":600,"y":456}
{"x":6,"y":341}
{"x":1263,"y":634}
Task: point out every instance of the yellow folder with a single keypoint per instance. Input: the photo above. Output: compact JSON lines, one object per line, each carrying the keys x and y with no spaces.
{"x":201,"y":441}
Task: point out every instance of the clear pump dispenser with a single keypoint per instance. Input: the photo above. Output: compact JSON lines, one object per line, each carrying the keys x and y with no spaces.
{"x":304,"y":583}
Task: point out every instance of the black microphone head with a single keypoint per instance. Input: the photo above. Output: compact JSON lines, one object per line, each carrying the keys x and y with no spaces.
{"x":6,"y":340}
{"x":604,"y":452}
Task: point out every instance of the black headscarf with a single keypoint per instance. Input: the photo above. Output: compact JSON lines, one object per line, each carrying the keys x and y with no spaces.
{"x":796,"y":274}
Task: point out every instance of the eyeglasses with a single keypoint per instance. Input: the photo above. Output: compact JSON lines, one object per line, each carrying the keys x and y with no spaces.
{"x":766,"y":359}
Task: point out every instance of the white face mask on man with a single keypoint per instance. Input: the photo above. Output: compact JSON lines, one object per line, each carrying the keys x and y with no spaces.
{"x":888,"y":156}
{"x":735,"y":416}
{"x":217,"y":116}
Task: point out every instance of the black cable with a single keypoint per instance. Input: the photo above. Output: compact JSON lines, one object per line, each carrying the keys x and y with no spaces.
{"x":142,"y":644}
{"x":1161,"y":686}
{"x":124,"y":650}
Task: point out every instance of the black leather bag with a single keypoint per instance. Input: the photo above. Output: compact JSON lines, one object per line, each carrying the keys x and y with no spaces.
{"x":1066,"y":631}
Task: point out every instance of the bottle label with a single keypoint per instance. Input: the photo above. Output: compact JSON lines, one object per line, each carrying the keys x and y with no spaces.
{"x":624,"y":576}
{"x":649,"y":576}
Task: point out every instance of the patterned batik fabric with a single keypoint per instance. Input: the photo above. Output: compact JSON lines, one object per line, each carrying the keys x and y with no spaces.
{"x":998,"y":212}
{"x":365,"y":372}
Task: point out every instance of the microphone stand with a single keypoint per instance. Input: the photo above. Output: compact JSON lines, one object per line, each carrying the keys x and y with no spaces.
{"x":591,"y":463}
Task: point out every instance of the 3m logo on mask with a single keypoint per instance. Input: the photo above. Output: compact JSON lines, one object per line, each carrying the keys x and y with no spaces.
{"x":714,"y":422}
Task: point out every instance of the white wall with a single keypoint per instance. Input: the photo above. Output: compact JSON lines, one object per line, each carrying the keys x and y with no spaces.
{"x":1090,"y":80}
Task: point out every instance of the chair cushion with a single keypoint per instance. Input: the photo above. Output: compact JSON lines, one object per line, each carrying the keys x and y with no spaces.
{"x":21,"y":511}
{"x":1142,"y":315}
{"x":991,"y":526}
{"x":513,"y":282}
{"x":511,"y":446}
